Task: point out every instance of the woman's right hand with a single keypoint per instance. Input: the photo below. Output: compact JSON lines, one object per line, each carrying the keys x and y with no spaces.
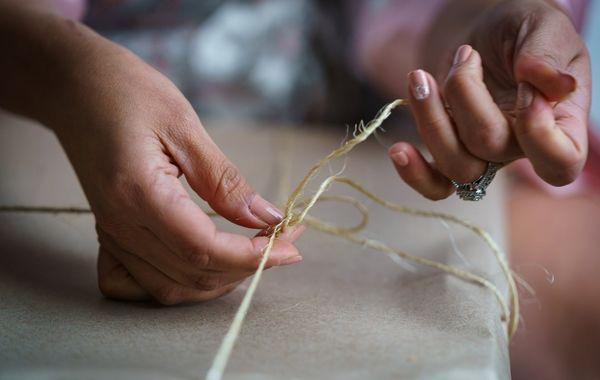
{"x":130,"y":134}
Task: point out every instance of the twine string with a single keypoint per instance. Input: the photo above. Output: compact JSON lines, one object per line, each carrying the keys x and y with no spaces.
{"x":296,"y":212}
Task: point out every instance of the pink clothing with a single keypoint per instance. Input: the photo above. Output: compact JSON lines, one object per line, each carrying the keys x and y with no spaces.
{"x":73,"y":9}
{"x":576,"y":8}
{"x":378,"y":21}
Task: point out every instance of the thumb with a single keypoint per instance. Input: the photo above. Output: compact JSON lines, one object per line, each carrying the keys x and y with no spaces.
{"x":544,"y":48}
{"x":556,"y":148}
{"x":553,"y":83}
{"x":220,"y":183}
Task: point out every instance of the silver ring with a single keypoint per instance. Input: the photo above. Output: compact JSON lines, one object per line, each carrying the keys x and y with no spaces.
{"x":475,"y":190}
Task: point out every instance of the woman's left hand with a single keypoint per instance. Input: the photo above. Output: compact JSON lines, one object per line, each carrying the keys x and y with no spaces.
{"x":521,"y":88}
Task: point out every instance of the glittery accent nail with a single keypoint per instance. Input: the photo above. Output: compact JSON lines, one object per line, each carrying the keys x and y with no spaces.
{"x":419,"y":85}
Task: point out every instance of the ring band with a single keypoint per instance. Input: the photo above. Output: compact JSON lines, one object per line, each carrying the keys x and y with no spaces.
{"x":475,"y":190}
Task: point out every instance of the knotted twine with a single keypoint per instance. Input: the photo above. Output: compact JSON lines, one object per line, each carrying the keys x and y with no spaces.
{"x":296,"y":212}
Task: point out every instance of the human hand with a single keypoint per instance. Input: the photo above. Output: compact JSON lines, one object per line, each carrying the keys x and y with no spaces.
{"x":130,"y":134}
{"x":522,"y":89}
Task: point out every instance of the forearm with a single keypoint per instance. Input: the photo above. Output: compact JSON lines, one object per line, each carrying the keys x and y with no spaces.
{"x":41,"y":50}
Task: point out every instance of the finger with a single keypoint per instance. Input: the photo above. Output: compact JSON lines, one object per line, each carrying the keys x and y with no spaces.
{"x":290,"y":235}
{"x":557,"y":148}
{"x":282,"y":253}
{"x":145,"y":245}
{"x":481,"y":125}
{"x":217,"y":180}
{"x":549,"y":56}
{"x":186,"y":230}
{"x":162,"y":288}
{"x":436,"y":129}
{"x":553,"y":83}
{"x":418,"y":173}
{"x":115,"y":281}
{"x":545,"y":47}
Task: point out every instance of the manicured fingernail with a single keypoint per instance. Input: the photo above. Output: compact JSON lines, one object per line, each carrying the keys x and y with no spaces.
{"x":524,"y":95}
{"x":419,"y":84}
{"x":400,"y":158}
{"x":462,"y":54}
{"x":291,"y":260}
{"x":265,"y":211}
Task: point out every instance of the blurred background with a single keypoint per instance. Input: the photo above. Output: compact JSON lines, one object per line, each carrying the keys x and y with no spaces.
{"x":295,"y":65}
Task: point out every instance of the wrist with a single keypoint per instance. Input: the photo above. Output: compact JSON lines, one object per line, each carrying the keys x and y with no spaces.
{"x":69,"y":62}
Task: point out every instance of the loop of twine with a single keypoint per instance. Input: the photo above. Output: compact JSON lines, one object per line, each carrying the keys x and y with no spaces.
{"x":296,"y":212}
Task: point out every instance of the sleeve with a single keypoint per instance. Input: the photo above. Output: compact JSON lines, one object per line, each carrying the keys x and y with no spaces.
{"x":377,"y":21}
{"x":73,"y":9}
{"x":576,"y":10}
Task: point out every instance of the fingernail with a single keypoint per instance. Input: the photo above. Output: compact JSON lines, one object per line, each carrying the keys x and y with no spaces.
{"x":462,"y":54}
{"x":291,"y":260}
{"x":419,"y":84}
{"x":524,"y":95}
{"x":265,"y":211}
{"x":400,"y":158}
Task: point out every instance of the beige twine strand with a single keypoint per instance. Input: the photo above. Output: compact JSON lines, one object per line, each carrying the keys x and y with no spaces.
{"x":293,"y":218}
{"x":296,"y":212}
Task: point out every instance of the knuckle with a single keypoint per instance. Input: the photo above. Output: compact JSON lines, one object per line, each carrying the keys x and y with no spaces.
{"x":457,"y":83}
{"x":434,"y":122}
{"x":207,"y":281}
{"x":199,"y":258}
{"x":486,"y":141}
{"x":230,"y":182}
{"x":177,"y":112}
{"x":168,"y":295}
{"x":432,"y":125}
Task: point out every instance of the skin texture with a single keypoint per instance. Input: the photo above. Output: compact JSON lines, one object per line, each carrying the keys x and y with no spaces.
{"x":517,"y":86}
{"x":129,"y":134}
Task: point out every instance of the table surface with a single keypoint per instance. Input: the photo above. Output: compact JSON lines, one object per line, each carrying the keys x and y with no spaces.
{"x":345,"y":312}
